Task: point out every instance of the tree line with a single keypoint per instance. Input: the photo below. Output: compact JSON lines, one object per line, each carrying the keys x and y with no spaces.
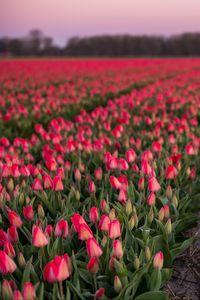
{"x":37,"y":44}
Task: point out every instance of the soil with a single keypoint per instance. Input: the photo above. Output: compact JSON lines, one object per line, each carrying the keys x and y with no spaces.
{"x":185,"y":281}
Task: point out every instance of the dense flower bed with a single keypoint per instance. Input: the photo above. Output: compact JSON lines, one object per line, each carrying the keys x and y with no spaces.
{"x":93,"y":205}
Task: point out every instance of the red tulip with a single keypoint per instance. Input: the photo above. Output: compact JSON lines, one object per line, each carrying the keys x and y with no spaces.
{"x":28,"y":291}
{"x":28,"y":212}
{"x":153,"y":184}
{"x":61,"y":228}
{"x":158,"y":260}
{"x":37,"y":185}
{"x":77,"y":220}
{"x":38,"y":237}
{"x":171,"y":172}
{"x":93,"y":265}
{"x":7,"y":265}
{"x":14,"y":219}
{"x":117,"y":248}
{"x":93,"y":248}
{"x":57,"y":184}
{"x":58,"y":269}
{"x":104,"y":223}
{"x":114,"y":229}
{"x":94,"y":216}
{"x":84,"y":232}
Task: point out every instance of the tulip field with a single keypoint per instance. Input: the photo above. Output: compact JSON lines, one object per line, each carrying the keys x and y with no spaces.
{"x":99,"y":176}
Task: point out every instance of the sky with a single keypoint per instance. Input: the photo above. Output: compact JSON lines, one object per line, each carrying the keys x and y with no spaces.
{"x":62,"y":19}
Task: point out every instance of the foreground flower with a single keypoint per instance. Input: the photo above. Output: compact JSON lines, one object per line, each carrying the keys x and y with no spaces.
{"x":58,"y":269}
{"x":7,"y":265}
{"x":38,"y":237}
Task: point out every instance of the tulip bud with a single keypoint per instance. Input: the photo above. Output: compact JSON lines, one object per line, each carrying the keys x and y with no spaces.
{"x":77,"y":195}
{"x":112,"y":214}
{"x":131,"y":223}
{"x":104,"y":241}
{"x":21,"y":198}
{"x":175,"y":201}
{"x":158,"y":260}
{"x":77,"y":175}
{"x":104,"y":206}
{"x":136,"y":262}
{"x":28,"y":212}
{"x":117,"y":284}
{"x":17,"y":295}
{"x":100,"y":293}
{"x":10,"y":184}
{"x":13,"y":234}
{"x":141,"y":184}
{"x":21,"y":260}
{"x":136,"y":219}
{"x":161,"y":214}
{"x":147,"y":253}
{"x":151,"y":199}
{"x":93,"y":265}
{"x":114,"y":229}
{"x":92,"y":187}
{"x":7,"y":290}
{"x":14,"y":219}
{"x":94,"y":216}
{"x":41,"y":212}
{"x":168,"y":226}
{"x":151,"y":215}
{"x":129,"y":208}
{"x":8,"y":249}
{"x":169,"y":192}
{"x":117,"y":248}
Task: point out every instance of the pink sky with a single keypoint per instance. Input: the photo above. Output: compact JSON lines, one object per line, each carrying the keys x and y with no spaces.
{"x":64,"y":18}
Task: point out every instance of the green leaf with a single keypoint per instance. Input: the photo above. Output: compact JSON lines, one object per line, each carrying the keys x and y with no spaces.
{"x":182,"y":247}
{"x":155,"y":280}
{"x":157,"y":295}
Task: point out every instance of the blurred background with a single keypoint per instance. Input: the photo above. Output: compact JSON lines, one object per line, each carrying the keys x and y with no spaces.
{"x":99,"y":28}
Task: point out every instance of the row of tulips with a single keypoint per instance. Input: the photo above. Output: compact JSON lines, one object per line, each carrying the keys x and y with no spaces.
{"x":38,"y":91}
{"x":94,"y":208}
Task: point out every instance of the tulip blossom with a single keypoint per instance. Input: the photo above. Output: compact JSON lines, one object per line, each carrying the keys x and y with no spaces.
{"x":38,"y":237}
{"x":28,"y":291}
{"x":28,"y":212}
{"x":171,"y":172}
{"x":84,"y":232}
{"x":93,"y":248}
{"x":61,"y":228}
{"x":117,"y":248}
{"x":153,"y":184}
{"x":93,"y":265}
{"x":14,"y":219}
{"x":94,"y":216}
{"x":7,"y":265}
{"x":158,"y":260}
{"x":58,"y":269}
{"x":114,"y":229}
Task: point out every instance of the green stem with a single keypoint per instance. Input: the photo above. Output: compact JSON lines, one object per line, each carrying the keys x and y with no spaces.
{"x":61,"y":290}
